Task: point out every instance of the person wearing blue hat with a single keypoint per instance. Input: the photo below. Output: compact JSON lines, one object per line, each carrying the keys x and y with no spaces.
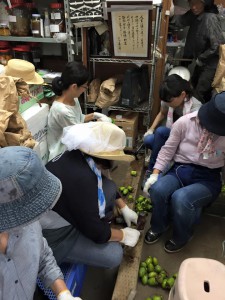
{"x":196,"y":145}
{"x":27,"y":192}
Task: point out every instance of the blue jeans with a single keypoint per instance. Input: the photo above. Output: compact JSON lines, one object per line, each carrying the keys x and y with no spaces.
{"x":181,"y":204}
{"x":155,"y":142}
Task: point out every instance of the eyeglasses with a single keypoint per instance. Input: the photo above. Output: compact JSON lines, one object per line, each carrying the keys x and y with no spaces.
{"x":85,"y":87}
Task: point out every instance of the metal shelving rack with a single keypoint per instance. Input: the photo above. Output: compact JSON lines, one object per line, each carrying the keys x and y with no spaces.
{"x":69,"y":42}
{"x":142,"y":108}
{"x":146,"y":106}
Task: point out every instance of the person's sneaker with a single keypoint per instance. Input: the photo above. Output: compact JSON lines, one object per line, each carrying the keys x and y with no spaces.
{"x":148,"y":173}
{"x":172,"y":247}
{"x":151,"y":237}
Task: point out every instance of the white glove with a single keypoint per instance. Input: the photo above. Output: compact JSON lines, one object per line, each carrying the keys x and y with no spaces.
{"x":102,"y":117}
{"x":151,"y":180}
{"x":130,"y":236}
{"x":66,"y":295}
{"x":199,"y":63}
{"x":148,"y":132}
{"x":129,"y":215}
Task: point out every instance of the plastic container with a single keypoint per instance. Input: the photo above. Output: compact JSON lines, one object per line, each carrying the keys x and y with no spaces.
{"x":36,"y":54}
{"x":22,"y":52}
{"x":31,"y":8}
{"x":5,"y":56}
{"x":4,"y":29}
{"x":36,"y":25}
{"x":57,"y":21}
{"x":4,"y":45}
{"x":74,"y":275}
{"x":19,"y":18}
{"x":47,"y":25}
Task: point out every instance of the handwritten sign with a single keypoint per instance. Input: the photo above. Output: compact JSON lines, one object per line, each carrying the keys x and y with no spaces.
{"x":130,"y":33}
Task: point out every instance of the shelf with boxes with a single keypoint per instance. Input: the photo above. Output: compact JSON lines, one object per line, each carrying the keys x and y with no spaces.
{"x":141,"y":108}
{"x":133,"y":86}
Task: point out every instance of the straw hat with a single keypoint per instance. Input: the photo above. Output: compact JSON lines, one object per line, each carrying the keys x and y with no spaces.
{"x":99,"y":139}
{"x":19,"y":68}
{"x":27,"y":189}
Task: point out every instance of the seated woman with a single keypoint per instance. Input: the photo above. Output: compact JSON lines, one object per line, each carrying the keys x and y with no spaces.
{"x":197,"y":146}
{"x":176,"y":95}
{"x":66,"y":110}
{"x":78,"y":230}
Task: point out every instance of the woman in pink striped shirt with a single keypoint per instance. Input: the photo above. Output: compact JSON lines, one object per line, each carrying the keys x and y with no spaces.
{"x":197,"y":146}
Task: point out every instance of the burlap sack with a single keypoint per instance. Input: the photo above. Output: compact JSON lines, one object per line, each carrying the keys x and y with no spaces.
{"x":221,"y":87}
{"x":220,"y":71}
{"x":93,"y":90}
{"x":4,"y":121}
{"x":110,"y":90}
{"x":8,"y":94}
{"x":13,"y":129}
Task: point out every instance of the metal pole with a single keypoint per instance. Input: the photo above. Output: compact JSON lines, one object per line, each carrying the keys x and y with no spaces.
{"x":156,"y":36}
{"x":68,"y":29}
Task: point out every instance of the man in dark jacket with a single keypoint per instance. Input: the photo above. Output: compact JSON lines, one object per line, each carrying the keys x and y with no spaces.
{"x":202,"y":43}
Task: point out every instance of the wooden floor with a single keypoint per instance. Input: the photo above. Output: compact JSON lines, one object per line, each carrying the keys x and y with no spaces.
{"x":127,"y":277}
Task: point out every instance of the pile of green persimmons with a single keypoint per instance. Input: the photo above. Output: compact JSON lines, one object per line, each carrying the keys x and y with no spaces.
{"x":142,"y":204}
{"x":152,"y":274}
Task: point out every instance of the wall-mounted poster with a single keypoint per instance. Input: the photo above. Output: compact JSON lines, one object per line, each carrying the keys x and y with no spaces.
{"x":130,"y":28}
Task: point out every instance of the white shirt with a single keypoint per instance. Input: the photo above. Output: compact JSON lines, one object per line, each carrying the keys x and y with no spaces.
{"x":60,"y":116}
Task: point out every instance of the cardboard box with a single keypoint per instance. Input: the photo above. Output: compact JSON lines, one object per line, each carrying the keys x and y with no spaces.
{"x":128,"y":121}
{"x":36,"y":91}
{"x":41,"y":148}
{"x":36,"y":118}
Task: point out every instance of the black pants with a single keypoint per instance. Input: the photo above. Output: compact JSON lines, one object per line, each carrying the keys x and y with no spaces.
{"x":201,"y":80}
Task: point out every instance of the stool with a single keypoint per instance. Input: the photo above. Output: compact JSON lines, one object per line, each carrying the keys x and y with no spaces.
{"x":199,"y":279}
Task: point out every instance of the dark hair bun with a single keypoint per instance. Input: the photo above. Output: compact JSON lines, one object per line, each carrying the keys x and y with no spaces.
{"x":57,"y":86}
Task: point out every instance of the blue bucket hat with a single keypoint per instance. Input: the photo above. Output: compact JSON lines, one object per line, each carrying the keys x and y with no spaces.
{"x":27,"y":189}
{"x":212,"y":114}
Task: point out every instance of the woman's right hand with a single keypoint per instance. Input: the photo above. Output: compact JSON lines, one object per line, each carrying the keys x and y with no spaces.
{"x":151,"y":180}
{"x":130,"y":236}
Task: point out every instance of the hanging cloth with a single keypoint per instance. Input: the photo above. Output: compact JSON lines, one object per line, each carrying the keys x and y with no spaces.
{"x":86,"y":13}
{"x":186,"y":110}
{"x":101,"y":196}
{"x":205,"y":144}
